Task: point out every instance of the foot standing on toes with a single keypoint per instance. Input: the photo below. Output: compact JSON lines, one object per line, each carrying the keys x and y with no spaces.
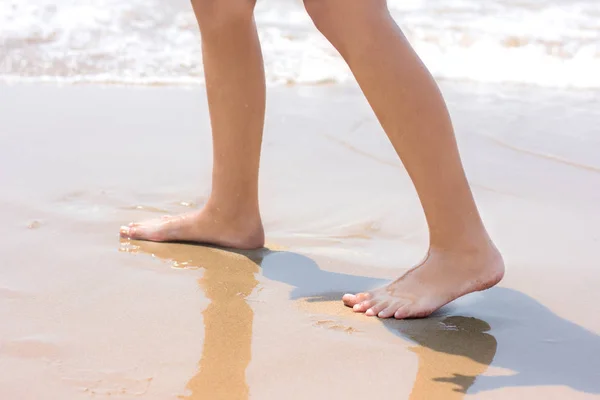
{"x":411,"y":110}
{"x":440,"y":279}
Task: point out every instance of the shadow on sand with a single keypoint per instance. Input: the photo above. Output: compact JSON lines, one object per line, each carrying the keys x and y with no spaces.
{"x":500,"y":327}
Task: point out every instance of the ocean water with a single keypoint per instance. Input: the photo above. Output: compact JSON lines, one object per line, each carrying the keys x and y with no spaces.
{"x":554,"y":43}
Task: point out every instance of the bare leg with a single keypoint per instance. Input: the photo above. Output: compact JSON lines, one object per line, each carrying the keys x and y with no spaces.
{"x":235,"y":85}
{"x":407,"y":102}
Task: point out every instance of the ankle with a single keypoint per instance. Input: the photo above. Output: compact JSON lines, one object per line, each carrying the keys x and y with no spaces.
{"x":474,"y":242}
{"x":242,"y":226}
{"x":473,"y":259}
{"x":234,"y":205}
{"x":233,"y":213}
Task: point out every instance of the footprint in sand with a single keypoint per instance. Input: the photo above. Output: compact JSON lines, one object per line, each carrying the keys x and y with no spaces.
{"x":336,"y":326}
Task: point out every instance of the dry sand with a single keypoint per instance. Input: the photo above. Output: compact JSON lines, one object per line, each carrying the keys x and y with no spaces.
{"x":87,"y":315}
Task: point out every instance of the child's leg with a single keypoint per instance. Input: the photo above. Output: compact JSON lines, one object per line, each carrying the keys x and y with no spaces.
{"x":409,"y":106}
{"x":235,"y":85}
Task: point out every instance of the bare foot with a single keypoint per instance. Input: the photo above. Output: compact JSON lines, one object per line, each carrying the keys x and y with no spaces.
{"x":443,"y":277}
{"x":204,"y":226}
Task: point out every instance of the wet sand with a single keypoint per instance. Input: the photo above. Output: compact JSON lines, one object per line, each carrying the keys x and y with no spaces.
{"x":88,"y":315}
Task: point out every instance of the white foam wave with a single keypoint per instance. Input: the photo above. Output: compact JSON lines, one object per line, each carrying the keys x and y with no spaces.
{"x":153,"y":42}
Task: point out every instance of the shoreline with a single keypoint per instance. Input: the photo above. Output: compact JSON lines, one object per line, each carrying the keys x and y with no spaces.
{"x":195,"y":83}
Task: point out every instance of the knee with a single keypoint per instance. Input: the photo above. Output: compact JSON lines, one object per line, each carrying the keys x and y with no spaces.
{"x":219,"y":14}
{"x":337,"y":19}
{"x":322,"y":13}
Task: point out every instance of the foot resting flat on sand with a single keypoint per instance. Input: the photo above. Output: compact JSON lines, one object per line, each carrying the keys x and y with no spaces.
{"x":204,"y":226}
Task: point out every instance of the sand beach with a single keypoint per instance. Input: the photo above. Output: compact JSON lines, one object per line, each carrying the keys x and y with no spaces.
{"x":86,"y":314}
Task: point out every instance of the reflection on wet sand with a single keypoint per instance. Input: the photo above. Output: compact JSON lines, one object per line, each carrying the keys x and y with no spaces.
{"x":542,"y":348}
{"x":228,"y":279}
{"x":452,"y":352}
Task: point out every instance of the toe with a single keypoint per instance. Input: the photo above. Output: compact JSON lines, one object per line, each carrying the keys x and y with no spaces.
{"x":403,"y":312}
{"x":376,"y":309}
{"x":134,"y":232}
{"x":352,"y":300}
{"x":141,"y":232}
{"x":390,"y":310}
{"x":364,"y":305}
{"x":349,"y":300}
{"x":124,"y":232}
